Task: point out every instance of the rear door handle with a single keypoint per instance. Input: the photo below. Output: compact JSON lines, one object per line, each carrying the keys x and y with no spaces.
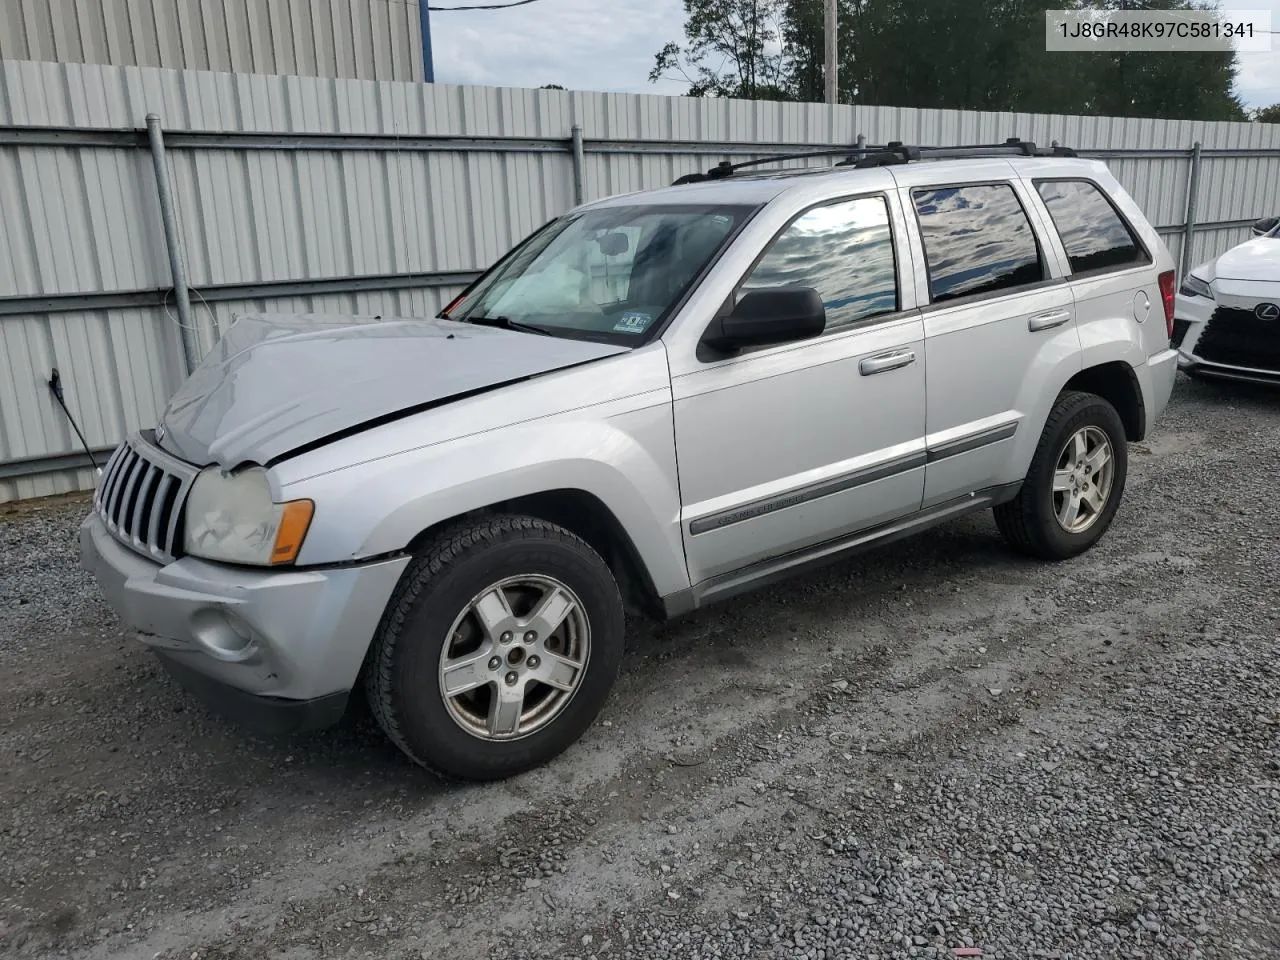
{"x":1047,"y":321}
{"x":886,"y":361}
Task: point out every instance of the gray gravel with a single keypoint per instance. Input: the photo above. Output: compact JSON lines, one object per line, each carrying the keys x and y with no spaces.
{"x":935,"y":747}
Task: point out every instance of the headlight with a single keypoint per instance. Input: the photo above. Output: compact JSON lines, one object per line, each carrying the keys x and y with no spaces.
{"x":1193,"y":286}
{"x":230,"y":517}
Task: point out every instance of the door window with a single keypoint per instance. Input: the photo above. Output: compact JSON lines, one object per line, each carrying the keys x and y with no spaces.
{"x":977,"y":240}
{"x":843,"y":250}
{"x":1092,"y":232}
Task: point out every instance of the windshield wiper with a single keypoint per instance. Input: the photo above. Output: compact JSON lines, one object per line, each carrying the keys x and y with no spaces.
{"x":506,"y":323}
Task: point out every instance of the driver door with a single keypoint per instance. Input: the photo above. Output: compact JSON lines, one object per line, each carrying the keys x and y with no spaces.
{"x":784,"y":447}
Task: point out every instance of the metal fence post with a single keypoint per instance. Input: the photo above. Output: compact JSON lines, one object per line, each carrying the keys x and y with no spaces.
{"x":578,"y":162}
{"x":1189,"y":224}
{"x":190,"y":341}
{"x":862,"y":141}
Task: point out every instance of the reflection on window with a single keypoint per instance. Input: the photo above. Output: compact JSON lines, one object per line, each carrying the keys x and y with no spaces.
{"x":844,"y":251}
{"x":977,"y":239}
{"x":1092,"y":232}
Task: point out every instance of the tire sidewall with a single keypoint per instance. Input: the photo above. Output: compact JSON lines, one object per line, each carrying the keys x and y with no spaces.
{"x":430,"y":733}
{"x":1095,"y":412}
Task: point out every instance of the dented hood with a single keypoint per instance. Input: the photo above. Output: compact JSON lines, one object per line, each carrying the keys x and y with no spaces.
{"x":274,"y":384}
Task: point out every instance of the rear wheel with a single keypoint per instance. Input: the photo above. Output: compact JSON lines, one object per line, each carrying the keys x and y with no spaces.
{"x":1076,"y":480}
{"x":498,"y":649}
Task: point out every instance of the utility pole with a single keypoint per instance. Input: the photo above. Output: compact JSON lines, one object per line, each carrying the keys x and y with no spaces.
{"x":832,"y":71}
{"x":428,"y":60}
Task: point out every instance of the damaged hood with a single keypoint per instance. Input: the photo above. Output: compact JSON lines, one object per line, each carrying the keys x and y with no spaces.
{"x":277,"y":383}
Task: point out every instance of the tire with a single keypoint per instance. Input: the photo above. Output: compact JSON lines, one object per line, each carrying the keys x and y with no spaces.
{"x":471,"y":598}
{"x":1030,"y":522}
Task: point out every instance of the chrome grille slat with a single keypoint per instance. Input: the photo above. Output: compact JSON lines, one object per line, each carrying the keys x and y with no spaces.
{"x":163,"y":486}
{"x":127,"y":469}
{"x":141,"y":498}
{"x":130,"y":491}
{"x":150,"y":478}
{"x":107,"y":473}
{"x":175,"y":516}
{"x":113,"y":477}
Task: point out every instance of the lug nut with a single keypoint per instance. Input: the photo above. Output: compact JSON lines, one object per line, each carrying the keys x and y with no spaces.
{"x":495,"y":663}
{"x":506,"y":637}
{"x":533,"y":663}
{"x":530,"y":637}
{"x":511,"y":678}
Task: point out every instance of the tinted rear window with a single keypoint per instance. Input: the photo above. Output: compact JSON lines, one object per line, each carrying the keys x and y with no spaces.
{"x":977,"y":240}
{"x":1094,"y":235}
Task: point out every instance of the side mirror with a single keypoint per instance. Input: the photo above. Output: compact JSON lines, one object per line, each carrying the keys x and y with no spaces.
{"x":764,"y":317}
{"x":1264,"y":226}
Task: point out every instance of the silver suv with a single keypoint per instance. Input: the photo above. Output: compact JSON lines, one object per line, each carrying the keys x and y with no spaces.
{"x":654,"y":402}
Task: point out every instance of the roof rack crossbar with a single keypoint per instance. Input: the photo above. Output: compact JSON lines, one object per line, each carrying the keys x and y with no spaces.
{"x":727,"y":169}
{"x":894,"y":152}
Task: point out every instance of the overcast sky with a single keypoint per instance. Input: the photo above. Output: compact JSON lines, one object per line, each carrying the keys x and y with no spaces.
{"x":610,"y":45}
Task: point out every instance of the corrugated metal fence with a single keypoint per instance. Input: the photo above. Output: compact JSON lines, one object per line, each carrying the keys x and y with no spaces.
{"x":380,"y":198}
{"x":362,"y":39}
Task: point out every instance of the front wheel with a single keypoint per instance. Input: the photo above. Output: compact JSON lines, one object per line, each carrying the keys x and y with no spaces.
{"x":1076,"y":480}
{"x":498,"y":649}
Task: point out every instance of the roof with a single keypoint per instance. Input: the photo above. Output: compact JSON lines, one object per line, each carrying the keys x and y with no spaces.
{"x":761,"y":186}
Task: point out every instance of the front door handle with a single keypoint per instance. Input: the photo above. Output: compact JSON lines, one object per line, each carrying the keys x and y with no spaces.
{"x":886,"y":361}
{"x":1047,"y":321}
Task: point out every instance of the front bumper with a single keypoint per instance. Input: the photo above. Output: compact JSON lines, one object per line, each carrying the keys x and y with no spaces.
{"x":1217,"y":371}
{"x":277,"y":649}
{"x":1224,"y":339}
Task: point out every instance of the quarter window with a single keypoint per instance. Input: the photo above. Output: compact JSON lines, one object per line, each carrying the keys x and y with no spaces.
{"x":977,"y":240}
{"x":1092,"y":232}
{"x":843,"y":250}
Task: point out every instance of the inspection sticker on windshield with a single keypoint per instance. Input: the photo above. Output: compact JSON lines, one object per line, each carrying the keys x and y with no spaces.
{"x":633,"y":321}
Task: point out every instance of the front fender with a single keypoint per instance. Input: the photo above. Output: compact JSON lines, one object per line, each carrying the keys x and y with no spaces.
{"x":627,"y":461}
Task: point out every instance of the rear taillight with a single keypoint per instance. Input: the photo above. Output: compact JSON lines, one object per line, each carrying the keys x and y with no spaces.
{"x":1166,"y":297}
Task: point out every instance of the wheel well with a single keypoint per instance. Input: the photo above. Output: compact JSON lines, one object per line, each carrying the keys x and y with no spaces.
{"x":586,"y":515}
{"x":1116,"y":383}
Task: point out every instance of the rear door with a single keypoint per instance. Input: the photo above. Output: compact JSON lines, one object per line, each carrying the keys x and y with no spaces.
{"x":998,"y":318}
{"x":1117,"y":294}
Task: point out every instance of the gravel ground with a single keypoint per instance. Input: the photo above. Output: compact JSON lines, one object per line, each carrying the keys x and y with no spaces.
{"x":934,"y":747}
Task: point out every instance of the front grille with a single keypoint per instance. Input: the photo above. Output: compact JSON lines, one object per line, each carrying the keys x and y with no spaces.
{"x":140,"y":498}
{"x":1237,"y":337}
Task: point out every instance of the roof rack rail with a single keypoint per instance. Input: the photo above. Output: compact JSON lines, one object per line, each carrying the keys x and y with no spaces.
{"x":726,"y":169}
{"x":894,"y":152}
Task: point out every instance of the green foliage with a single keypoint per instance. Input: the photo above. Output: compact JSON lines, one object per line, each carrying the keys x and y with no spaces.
{"x":1269,"y":114}
{"x":959,"y":54}
{"x":730,"y":50}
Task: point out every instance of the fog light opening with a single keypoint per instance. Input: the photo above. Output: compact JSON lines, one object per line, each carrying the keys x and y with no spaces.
{"x":223,"y":635}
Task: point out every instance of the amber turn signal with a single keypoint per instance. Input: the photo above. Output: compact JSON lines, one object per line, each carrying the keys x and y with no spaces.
{"x":294,"y":521}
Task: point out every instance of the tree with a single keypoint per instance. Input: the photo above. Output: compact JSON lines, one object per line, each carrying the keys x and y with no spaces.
{"x":1269,"y":114}
{"x":551,"y":86}
{"x":1173,"y":86}
{"x":731,"y":49}
{"x":958,"y":54}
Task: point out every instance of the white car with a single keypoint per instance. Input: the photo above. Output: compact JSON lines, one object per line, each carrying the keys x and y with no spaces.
{"x":1227,"y":313}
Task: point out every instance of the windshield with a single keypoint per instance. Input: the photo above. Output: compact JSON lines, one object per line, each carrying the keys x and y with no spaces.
{"x":611,"y":274}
